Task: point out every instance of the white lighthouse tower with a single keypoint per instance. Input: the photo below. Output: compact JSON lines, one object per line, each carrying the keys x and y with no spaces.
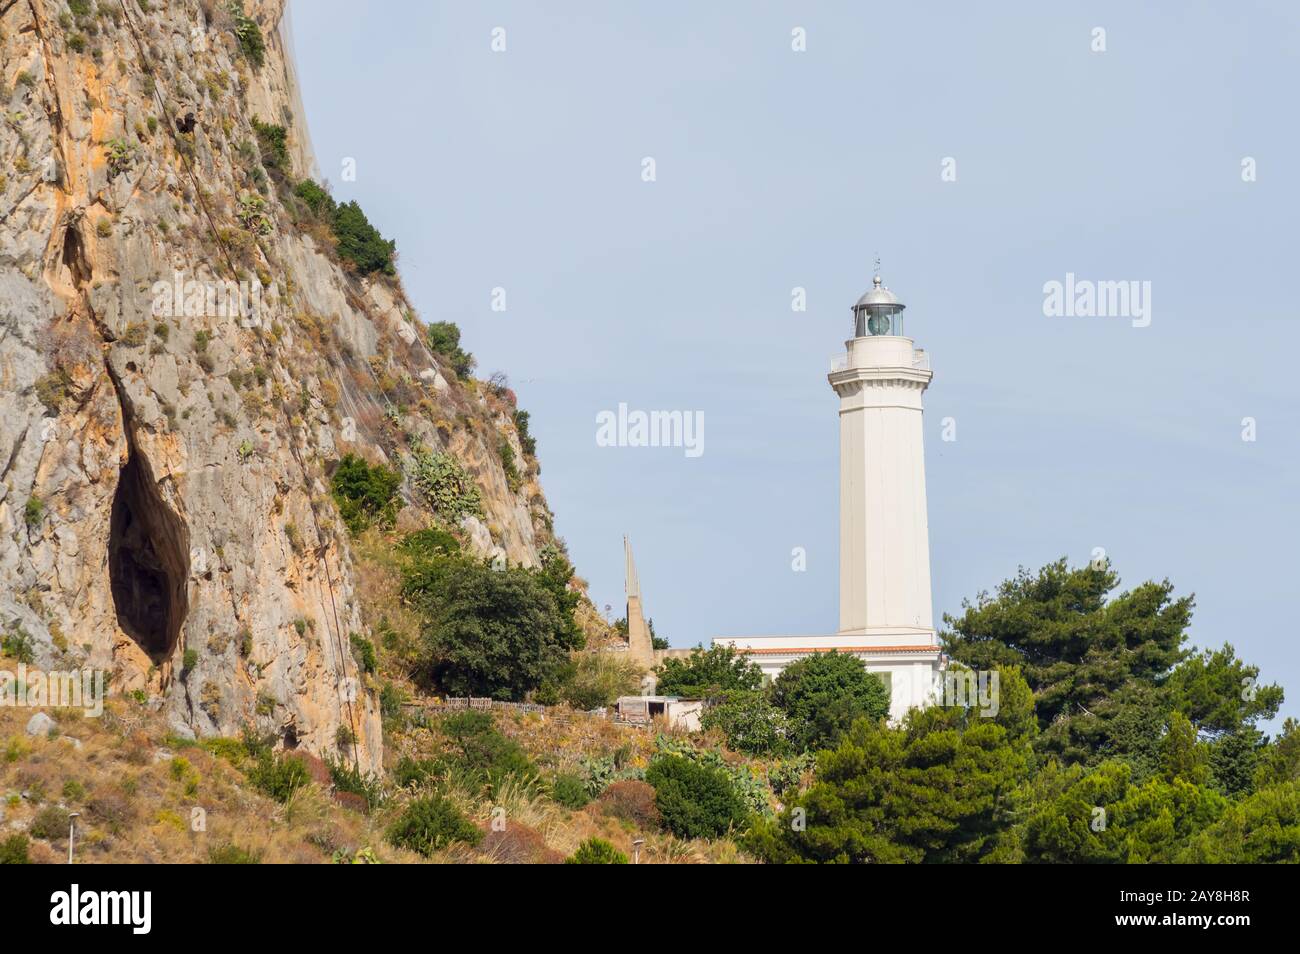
{"x":886,"y":617}
{"x":884,"y":532}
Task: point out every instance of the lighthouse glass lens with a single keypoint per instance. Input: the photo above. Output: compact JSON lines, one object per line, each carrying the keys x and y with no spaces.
{"x":878,"y":324}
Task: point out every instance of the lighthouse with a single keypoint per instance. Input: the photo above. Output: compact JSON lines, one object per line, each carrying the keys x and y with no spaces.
{"x":884,"y":531}
{"x":886,"y":616}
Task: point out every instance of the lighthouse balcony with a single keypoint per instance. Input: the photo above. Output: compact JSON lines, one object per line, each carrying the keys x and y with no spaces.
{"x":919,"y":359}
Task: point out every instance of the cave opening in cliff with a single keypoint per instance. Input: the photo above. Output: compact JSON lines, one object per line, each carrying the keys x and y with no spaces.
{"x":148,"y":560}
{"x":74,"y":257}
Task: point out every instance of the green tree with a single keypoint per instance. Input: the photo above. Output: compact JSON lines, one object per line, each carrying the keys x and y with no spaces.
{"x":708,"y":672}
{"x":1261,"y":829}
{"x":938,"y":788}
{"x":1220,"y":693}
{"x":1078,"y":647}
{"x":1182,"y":755}
{"x":824,"y":694}
{"x":485,"y":632}
{"x":1279,"y":762}
{"x":555,"y":574}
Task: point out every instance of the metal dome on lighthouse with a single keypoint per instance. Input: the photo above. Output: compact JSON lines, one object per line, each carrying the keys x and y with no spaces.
{"x":878,"y":312}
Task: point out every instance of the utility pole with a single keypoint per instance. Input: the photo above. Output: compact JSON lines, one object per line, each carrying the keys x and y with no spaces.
{"x":72,"y":832}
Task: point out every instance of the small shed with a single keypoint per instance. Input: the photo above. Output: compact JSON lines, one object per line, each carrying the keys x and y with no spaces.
{"x":641,"y":710}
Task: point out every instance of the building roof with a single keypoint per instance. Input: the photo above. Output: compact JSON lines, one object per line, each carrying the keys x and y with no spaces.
{"x":837,"y":649}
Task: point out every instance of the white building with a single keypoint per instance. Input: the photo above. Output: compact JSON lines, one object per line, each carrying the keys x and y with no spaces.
{"x":885,"y":609}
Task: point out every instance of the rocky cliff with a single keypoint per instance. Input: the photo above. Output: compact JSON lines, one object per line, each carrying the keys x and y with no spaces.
{"x":184,"y":359}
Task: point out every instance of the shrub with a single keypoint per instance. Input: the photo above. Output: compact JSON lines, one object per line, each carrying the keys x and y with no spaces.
{"x":480,"y":751}
{"x":119,"y":153}
{"x":444,"y":339}
{"x":320,"y":202}
{"x":631,"y":800}
{"x":249,"y":35}
{"x":273,"y":143}
{"x":360,"y":242}
{"x":189,"y":660}
{"x":276,"y":776}
{"x":228,"y":853}
{"x":17,"y":645}
{"x":824,"y":694}
{"x":390,"y":701}
{"x":597,"y":679}
{"x":50,"y":823}
{"x":749,"y":721}
{"x":364,"y":651}
{"x":708,"y":672}
{"x":429,"y":544}
{"x":570,"y":791}
{"x":365,"y":494}
{"x":596,"y":851}
{"x":696,"y":801}
{"x":517,"y":844}
{"x":13,"y":850}
{"x":429,"y":824}
{"x":508,"y":464}
{"x":73,"y":790}
{"x":34,"y":511}
{"x":526,"y":440}
{"x":52,"y":388}
{"x":345,"y":737}
{"x":446,"y":486}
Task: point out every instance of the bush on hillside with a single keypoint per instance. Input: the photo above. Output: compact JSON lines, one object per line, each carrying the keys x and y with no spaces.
{"x":597,"y":679}
{"x":360,"y":243}
{"x":631,"y":800}
{"x":13,"y":851}
{"x":479,"y":750}
{"x":446,"y":486}
{"x":596,"y":851}
{"x":320,"y":202}
{"x":570,"y":791}
{"x":429,"y":544}
{"x":430,"y":824}
{"x":273,"y":144}
{"x":749,"y":721}
{"x":695,"y":800}
{"x":365,"y":494}
{"x":444,"y":339}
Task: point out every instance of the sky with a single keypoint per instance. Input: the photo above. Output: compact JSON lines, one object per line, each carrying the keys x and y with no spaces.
{"x":981,"y":151}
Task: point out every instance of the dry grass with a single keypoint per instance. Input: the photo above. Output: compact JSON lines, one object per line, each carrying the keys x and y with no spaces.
{"x":137,"y":792}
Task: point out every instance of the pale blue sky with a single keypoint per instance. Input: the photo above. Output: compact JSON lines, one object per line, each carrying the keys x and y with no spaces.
{"x":779,"y":169}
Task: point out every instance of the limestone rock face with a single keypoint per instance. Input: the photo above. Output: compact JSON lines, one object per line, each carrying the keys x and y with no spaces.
{"x":183,"y":361}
